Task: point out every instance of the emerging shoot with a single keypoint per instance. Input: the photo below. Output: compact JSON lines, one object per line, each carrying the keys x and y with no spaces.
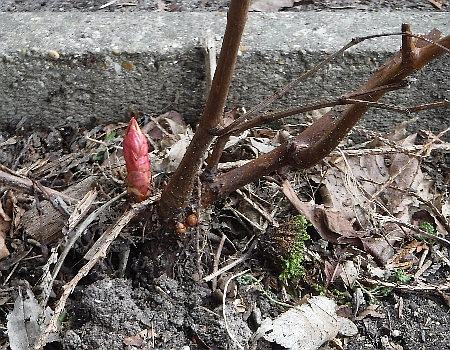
{"x":135,"y":152}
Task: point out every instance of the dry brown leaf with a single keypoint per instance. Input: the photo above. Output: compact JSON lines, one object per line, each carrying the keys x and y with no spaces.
{"x":347,"y":197}
{"x":380,"y":248}
{"x":349,"y":273}
{"x":371,"y":310}
{"x":173,"y":136}
{"x":321,"y":218}
{"x":332,"y":270}
{"x":155,"y":131}
{"x":437,"y":4}
{"x":139,"y":338}
{"x":5,"y":226}
{"x":404,"y":257}
{"x":16,"y":211}
{"x":336,"y":223}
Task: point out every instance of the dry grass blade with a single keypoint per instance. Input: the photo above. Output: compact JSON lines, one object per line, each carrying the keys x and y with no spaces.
{"x":233,"y":264}
{"x":73,"y":238}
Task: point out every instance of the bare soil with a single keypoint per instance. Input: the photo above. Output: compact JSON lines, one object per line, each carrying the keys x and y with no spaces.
{"x":152,"y":279}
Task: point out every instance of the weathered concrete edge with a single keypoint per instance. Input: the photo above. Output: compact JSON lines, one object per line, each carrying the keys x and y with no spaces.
{"x":72,"y":33}
{"x":28,"y":75}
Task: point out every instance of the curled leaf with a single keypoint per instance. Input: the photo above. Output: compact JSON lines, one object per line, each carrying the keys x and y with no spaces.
{"x":135,"y":152}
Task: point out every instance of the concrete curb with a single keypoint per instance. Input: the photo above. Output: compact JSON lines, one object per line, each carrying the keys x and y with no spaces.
{"x":111,"y":62}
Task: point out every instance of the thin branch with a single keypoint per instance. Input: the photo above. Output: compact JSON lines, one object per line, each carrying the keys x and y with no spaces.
{"x":406,"y":110}
{"x":233,"y":264}
{"x":424,"y":150}
{"x":224,"y":298}
{"x":407,"y":44}
{"x":419,"y":287}
{"x":310,"y":106}
{"x":12,"y":179}
{"x":179,"y":189}
{"x":412,"y":227}
{"x":284,"y":90}
{"x":216,"y":261}
{"x":318,"y":140}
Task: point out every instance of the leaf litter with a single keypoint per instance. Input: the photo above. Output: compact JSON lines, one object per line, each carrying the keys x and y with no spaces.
{"x":368,"y":204}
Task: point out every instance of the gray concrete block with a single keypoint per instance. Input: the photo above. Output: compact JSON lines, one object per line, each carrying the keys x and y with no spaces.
{"x":111,"y":62}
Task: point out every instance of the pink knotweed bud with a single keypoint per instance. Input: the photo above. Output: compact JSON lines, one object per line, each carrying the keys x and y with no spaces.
{"x":135,"y":152}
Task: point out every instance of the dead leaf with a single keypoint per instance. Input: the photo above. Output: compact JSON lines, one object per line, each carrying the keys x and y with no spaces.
{"x":349,"y":273}
{"x":156,"y":132}
{"x":371,"y":310}
{"x":5,"y":226}
{"x":421,"y":216}
{"x":332,"y":271}
{"x":306,"y":327}
{"x":173,"y":136}
{"x":26,"y":322}
{"x":15,"y":210}
{"x":48,"y":227}
{"x":338,"y":224}
{"x":319,"y":217}
{"x":262,"y":145}
{"x":139,"y":338}
{"x":404,"y":257}
{"x":228,"y":117}
{"x":175,"y":154}
{"x":379,"y":247}
{"x":437,"y":4}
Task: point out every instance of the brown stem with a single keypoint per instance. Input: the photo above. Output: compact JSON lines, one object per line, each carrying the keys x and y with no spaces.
{"x":219,"y":146}
{"x":280,"y":92}
{"x":24,"y":184}
{"x":317,"y":141}
{"x":179,"y":189}
{"x":214,"y":159}
{"x":310,"y":106}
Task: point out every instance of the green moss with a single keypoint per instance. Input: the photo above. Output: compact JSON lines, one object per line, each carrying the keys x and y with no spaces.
{"x":322,"y":290}
{"x":292,"y":266}
{"x":398,"y":276}
{"x":110,"y":136}
{"x":428,"y":228}
{"x":338,"y":294}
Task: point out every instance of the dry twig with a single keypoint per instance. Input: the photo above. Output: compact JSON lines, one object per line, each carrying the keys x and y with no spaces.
{"x":24,"y":184}
{"x":73,"y":238}
{"x":233,"y":264}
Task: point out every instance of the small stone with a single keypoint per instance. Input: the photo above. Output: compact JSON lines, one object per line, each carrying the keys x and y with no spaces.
{"x":396,"y":333}
{"x":127,"y":65}
{"x":53,"y":54}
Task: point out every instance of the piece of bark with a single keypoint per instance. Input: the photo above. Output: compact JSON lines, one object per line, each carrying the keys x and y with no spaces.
{"x":46,"y":226}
